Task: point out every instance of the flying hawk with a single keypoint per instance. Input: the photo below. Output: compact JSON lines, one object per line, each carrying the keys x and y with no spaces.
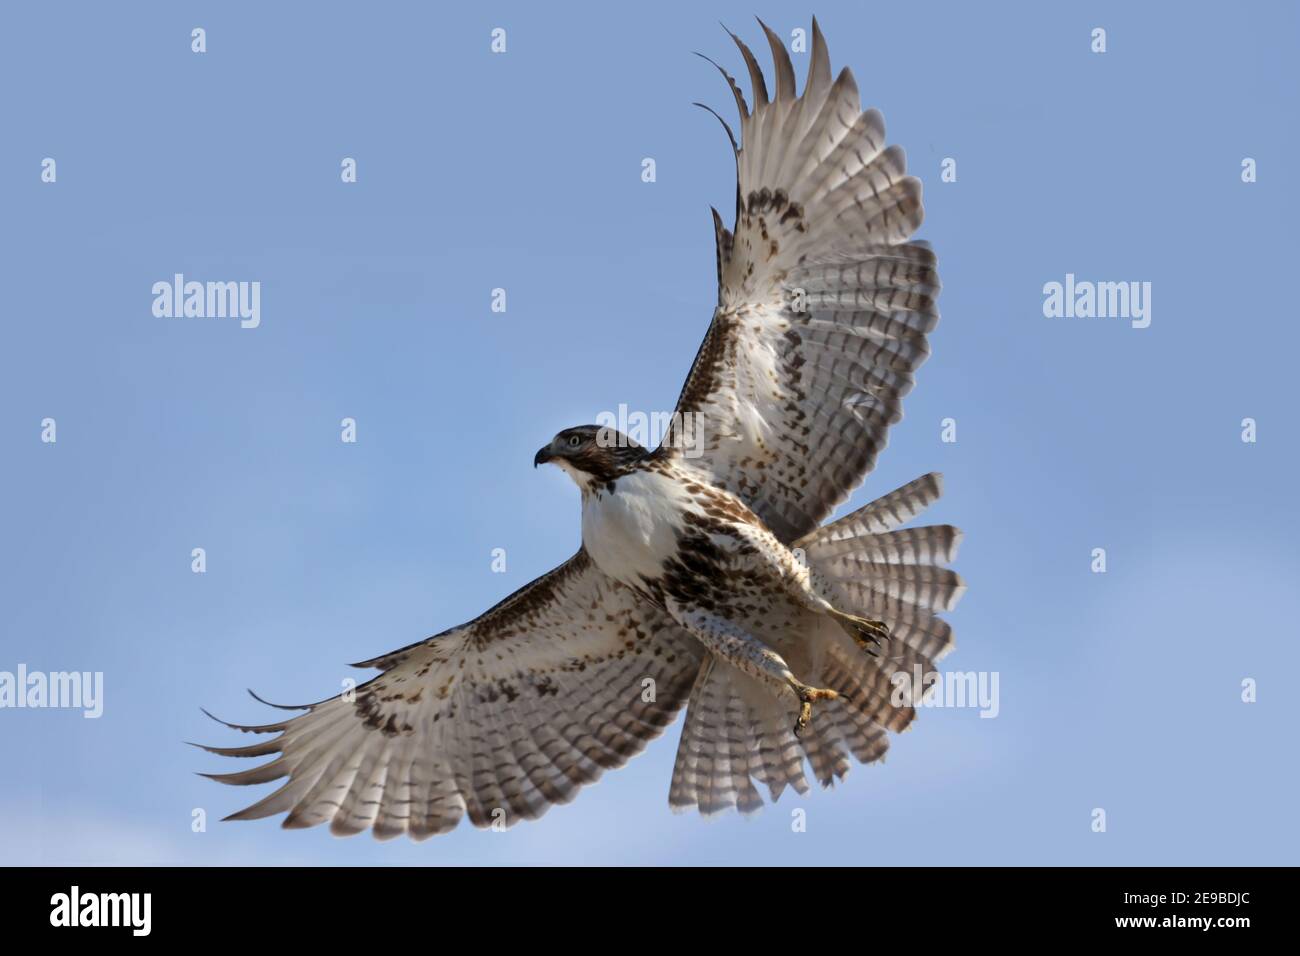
{"x":704,"y":579}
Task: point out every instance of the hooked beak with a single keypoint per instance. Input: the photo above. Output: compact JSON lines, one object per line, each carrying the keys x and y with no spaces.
{"x":542,"y":457}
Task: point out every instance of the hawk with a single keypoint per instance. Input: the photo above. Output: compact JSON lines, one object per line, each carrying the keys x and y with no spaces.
{"x":705,"y":578}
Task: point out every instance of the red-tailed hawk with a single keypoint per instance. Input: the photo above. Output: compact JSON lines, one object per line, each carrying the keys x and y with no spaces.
{"x":705,"y":577}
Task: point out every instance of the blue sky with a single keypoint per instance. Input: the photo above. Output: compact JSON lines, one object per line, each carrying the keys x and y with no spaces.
{"x":1119,"y":691}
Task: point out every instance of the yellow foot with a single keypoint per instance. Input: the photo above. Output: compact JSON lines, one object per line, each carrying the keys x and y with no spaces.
{"x":807,"y":696}
{"x":866,"y":633}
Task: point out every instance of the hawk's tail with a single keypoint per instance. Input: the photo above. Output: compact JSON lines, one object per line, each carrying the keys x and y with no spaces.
{"x":891,"y":575}
{"x":737,"y":734}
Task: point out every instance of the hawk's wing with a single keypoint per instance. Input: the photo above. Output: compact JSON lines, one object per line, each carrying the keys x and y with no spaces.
{"x":823,"y":306}
{"x":498,"y":719}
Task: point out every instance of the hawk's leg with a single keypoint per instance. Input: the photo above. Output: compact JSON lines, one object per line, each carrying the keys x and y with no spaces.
{"x":748,"y":654}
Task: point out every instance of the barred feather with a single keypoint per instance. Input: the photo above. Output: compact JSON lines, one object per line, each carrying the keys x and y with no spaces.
{"x":496,"y":720}
{"x":823,"y":306}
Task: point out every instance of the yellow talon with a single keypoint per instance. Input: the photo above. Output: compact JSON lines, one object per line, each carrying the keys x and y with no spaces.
{"x":807,"y":695}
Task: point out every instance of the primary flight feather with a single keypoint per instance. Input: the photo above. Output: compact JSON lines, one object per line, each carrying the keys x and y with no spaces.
{"x":705,"y":579}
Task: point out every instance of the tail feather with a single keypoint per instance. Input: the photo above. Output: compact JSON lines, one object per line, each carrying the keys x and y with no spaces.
{"x":868,"y":681}
{"x":896,"y":576}
{"x":931,"y":545}
{"x":920,"y":585}
{"x":884,"y":514}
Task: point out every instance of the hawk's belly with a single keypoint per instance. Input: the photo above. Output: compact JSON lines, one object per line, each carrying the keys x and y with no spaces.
{"x":632,"y":532}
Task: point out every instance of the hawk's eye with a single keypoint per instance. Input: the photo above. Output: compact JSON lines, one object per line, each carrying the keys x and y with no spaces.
{"x":574,"y":441}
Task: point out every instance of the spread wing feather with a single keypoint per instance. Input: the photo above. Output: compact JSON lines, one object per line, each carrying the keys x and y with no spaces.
{"x":823,"y":305}
{"x":497,"y":719}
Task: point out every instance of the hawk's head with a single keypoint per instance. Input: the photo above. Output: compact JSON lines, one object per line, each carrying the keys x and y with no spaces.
{"x":591,"y":454}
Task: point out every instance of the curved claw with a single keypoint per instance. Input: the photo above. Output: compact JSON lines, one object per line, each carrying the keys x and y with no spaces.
{"x":807,"y":697}
{"x":866,"y":633}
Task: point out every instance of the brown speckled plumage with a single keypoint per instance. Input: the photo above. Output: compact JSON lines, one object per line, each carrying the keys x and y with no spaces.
{"x":704,"y":579}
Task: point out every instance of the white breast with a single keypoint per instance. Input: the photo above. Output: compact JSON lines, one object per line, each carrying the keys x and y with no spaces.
{"x":631,"y":532}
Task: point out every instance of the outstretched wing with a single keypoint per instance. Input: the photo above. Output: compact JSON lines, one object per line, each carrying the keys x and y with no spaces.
{"x":498,"y":719}
{"x":823,"y":306}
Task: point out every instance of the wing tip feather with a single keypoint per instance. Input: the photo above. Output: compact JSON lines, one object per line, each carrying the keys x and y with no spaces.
{"x":246,"y":728}
{"x":784,"y":69}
